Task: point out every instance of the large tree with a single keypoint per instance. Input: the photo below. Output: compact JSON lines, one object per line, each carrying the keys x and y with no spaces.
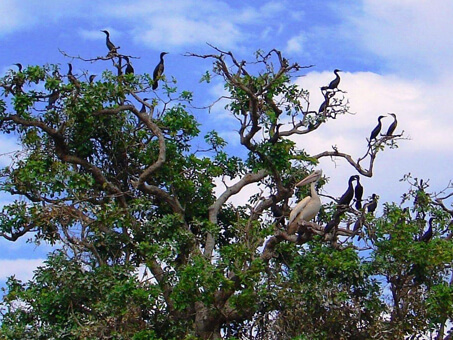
{"x":145,"y":249}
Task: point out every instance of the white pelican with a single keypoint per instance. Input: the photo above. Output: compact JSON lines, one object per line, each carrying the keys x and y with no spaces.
{"x":309,"y":207}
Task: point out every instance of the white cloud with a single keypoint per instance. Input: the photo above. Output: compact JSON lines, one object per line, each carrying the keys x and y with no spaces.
{"x":412,"y":36}
{"x":21,"y":268}
{"x":296,"y":44}
{"x":371,"y":95}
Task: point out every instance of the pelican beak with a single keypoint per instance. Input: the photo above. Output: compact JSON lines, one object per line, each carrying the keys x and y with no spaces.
{"x":307,"y":180}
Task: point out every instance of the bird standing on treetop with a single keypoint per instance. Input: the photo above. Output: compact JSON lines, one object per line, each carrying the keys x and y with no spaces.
{"x":159,"y":70}
{"x":358,"y":191}
{"x":334,"y":83}
{"x":392,"y":126}
{"x":373,"y":205}
{"x":91,"y":79}
{"x":72,"y":78}
{"x":429,"y":233}
{"x":377,"y":129}
{"x":112,"y":48}
{"x":129,"y":68}
{"x":349,"y":194}
{"x":309,"y":207}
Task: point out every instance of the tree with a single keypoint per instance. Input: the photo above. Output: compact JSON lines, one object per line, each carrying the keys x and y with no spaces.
{"x":117,"y":189}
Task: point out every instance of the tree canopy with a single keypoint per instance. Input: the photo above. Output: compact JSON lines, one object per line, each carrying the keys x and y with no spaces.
{"x":125,"y":189}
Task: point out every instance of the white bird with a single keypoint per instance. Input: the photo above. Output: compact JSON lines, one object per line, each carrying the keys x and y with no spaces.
{"x":309,"y":207}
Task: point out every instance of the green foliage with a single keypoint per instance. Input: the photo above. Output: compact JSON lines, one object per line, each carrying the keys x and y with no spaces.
{"x":119,"y":192}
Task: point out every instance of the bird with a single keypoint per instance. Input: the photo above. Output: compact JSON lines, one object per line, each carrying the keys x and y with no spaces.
{"x":373,"y":205}
{"x":334,"y":83}
{"x":159,"y":70}
{"x":71,"y":77}
{"x":377,"y":129}
{"x":392,"y":126}
{"x":143,"y":109}
{"x":53,"y":97}
{"x":112,"y":48}
{"x":277,"y":211}
{"x":429,"y":233}
{"x":346,"y":198}
{"x":309,"y":207}
{"x":129,"y":68}
{"x":358,"y":191}
{"x":91,"y":79}
{"x":19,"y":66}
{"x":334,"y":222}
{"x":324,"y":105}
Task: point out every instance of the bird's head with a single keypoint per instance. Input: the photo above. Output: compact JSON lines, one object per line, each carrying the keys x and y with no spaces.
{"x":392,"y":114}
{"x":313,"y":177}
{"x":380,"y":117}
{"x":337,"y":70}
{"x":105,"y":31}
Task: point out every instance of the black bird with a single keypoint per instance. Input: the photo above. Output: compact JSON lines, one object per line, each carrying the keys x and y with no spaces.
{"x":91,"y":79}
{"x":358,"y":193}
{"x":159,"y":70}
{"x":129,"y":68}
{"x":392,"y":126}
{"x":377,"y":129}
{"x":349,"y":194}
{"x":334,"y":222}
{"x":373,"y":205}
{"x":324,"y":105}
{"x":277,"y":211}
{"x":429,"y":233}
{"x":143,"y":109}
{"x":53,"y":97}
{"x":71,"y":77}
{"x":19,"y":66}
{"x":334,"y":83}
{"x":112,"y":48}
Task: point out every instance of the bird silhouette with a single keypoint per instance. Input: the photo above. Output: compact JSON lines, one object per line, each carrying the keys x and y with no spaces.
{"x":158,"y":71}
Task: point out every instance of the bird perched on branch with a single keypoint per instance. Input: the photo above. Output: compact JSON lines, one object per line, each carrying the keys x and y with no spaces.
{"x":334,"y":83}
{"x":129,"y":68}
{"x":373,"y":205}
{"x":429,"y":233}
{"x":346,"y":198}
{"x":392,"y":126}
{"x":158,"y":71}
{"x":377,"y":129}
{"x":309,"y":207}
{"x":358,"y":192}
{"x":112,"y":48}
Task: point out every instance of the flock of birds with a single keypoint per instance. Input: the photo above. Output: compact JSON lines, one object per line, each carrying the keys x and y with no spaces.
{"x":113,"y":51}
{"x":309,"y":207}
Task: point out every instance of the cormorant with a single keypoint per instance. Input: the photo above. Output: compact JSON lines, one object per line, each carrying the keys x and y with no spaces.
{"x":129,"y":68}
{"x":392,"y":126}
{"x":358,"y":193}
{"x":19,"y":65}
{"x":349,"y":194}
{"x":309,"y":207}
{"x":334,"y":83}
{"x":373,"y":205}
{"x":324,"y":105}
{"x":53,"y":97}
{"x":112,"y":48}
{"x":91,"y":79}
{"x":71,"y":77}
{"x":377,"y":129}
{"x":143,"y":109}
{"x":276,"y":210}
{"x":429,"y":233}
{"x":159,"y":70}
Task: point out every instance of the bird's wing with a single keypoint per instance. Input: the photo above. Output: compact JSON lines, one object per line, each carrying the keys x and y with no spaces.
{"x":298,"y":208}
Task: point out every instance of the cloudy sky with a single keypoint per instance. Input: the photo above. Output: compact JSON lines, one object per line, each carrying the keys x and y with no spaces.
{"x":396,"y":57}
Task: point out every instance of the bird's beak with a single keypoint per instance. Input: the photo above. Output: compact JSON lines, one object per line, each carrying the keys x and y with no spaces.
{"x":310,"y":178}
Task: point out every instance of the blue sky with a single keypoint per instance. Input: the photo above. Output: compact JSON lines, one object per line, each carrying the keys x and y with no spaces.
{"x":396,"y":57}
